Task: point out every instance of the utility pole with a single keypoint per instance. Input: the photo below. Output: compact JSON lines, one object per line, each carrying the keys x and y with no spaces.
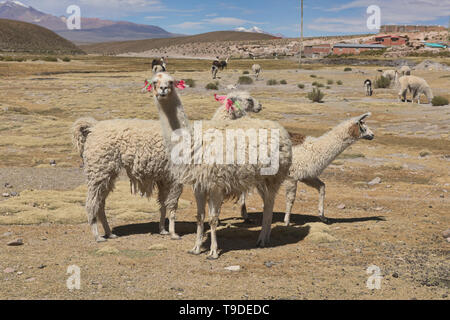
{"x":301,"y":34}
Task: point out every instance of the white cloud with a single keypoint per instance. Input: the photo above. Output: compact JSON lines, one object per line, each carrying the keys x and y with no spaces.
{"x":402,"y":11}
{"x":188,"y":25}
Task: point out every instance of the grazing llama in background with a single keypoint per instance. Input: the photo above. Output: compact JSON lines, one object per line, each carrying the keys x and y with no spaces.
{"x":137,"y":146}
{"x":161,"y":63}
{"x":314,"y":155}
{"x":218,"y":65}
{"x":368,"y":86}
{"x":417,"y":86}
{"x":404,"y":71}
{"x":215,"y":182}
{"x":256,"y":68}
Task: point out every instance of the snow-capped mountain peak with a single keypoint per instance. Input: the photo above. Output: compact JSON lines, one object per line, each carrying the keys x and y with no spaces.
{"x":12,"y":3}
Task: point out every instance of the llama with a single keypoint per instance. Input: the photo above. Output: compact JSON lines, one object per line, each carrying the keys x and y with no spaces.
{"x":158,"y":68}
{"x":314,"y":155}
{"x":137,"y":146}
{"x":404,"y":71}
{"x":218,"y":65}
{"x":256,"y":68}
{"x":417,"y":86}
{"x":368,"y":86}
{"x":159,"y":62}
{"x":215,"y":182}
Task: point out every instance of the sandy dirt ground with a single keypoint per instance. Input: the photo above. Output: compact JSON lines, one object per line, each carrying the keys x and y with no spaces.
{"x":395,"y":225}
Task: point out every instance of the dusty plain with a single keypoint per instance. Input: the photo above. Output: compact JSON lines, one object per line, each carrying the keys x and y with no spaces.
{"x":395,"y":225}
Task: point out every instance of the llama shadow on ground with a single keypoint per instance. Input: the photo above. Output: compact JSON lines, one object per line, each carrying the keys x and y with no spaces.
{"x":300,"y":219}
{"x":182,"y":228}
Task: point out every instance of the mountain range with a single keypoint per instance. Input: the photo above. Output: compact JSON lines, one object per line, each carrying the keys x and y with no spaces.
{"x":92,"y":29}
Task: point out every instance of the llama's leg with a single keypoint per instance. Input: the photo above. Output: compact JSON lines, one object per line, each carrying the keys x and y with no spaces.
{"x":200,"y":198}
{"x":172,"y":204}
{"x":95,"y":203}
{"x":269,"y":201}
{"x":320,"y":187}
{"x":291,"y":191}
{"x":244,"y":213}
{"x":402,"y":95}
{"x":102,"y":217}
{"x":214,"y":203}
{"x":162,"y":197}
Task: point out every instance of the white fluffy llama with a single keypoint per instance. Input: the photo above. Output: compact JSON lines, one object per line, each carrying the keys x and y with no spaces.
{"x":314,"y":155}
{"x":256,"y":68}
{"x":404,"y":71}
{"x":417,"y":86}
{"x":215,"y":182}
{"x":137,"y":146}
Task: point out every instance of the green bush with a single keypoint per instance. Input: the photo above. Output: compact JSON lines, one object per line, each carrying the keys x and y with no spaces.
{"x":382,"y":82}
{"x":272,"y":82}
{"x":313,"y":76}
{"x":339,"y":83}
{"x":212,"y":86}
{"x":245,"y":80}
{"x":347,"y":69}
{"x":318,"y":84}
{"x":190,"y":83}
{"x":1,"y":58}
{"x":301,"y":86}
{"x":50,"y":59}
{"x":66,"y":59}
{"x":283,"y":82}
{"x":316,"y":95}
{"x":439,"y":101}
{"x":246,"y":72}
{"x":329,"y":82}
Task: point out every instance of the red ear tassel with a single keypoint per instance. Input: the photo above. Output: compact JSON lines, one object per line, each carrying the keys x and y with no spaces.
{"x":180,"y":85}
{"x":147,"y":86}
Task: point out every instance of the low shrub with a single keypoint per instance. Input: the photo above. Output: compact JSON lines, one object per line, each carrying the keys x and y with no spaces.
{"x":318,"y":84}
{"x":190,"y":83}
{"x":382,"y":82}
{"x":50,"y":59}
{"x":283,"y":82}
{"x":66,"y":59}
{"x":246,"y":72}
{"x":313,"y":76}
{"x":329,"y":82}
{"x":316,"y":95}
{"x":339,"y":83}
{"x":272,"y":82}
{"x":212,"y":86}
{"x":347,"y":69}
{"x":301,"y":86}
{"x":245,"y":80}
{"x":439,"y":101}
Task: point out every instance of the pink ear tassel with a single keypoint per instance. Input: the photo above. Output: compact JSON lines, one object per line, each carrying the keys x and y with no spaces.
{"x":229,"y":105}
{"x":219,"y":98}
{"x":147,"y":86}
{"x":180,"y":85}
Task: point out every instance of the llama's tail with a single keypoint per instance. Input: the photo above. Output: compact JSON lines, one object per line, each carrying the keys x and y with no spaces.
{"x":80,"y":131}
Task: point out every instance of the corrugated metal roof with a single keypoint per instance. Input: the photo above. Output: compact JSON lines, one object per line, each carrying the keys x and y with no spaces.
{"x":359,"y":45}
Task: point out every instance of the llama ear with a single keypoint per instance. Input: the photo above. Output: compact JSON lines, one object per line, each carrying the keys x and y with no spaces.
{"x":364,"y":116}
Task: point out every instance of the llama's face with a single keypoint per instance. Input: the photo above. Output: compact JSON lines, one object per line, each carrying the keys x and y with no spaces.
{"x":163,"y":84}
{"x":363,"y":129}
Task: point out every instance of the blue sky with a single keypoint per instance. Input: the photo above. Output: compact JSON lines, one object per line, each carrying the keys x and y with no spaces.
{"x":322,"y":17}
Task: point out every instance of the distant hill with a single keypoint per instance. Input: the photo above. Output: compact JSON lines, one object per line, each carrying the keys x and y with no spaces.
{"x":17,"y":36}
{"x":92,"y":29}
{"x":150,"y":44}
